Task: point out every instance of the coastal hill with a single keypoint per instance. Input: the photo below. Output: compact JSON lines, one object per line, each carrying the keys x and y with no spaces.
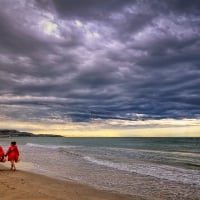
{"x":15,"y":133}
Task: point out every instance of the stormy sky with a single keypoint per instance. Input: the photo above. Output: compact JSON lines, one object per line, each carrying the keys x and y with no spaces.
{"x":116,"y":61}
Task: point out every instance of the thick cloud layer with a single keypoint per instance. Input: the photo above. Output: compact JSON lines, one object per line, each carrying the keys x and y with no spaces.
{"x":109,"y":59}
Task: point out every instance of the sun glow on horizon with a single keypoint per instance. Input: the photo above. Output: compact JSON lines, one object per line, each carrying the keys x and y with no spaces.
{"x":100,"y":128}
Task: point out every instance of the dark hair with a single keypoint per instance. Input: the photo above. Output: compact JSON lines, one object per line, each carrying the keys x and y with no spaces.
{"x":13,"y":143}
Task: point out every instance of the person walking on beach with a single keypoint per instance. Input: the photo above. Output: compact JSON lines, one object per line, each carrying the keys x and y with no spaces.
{"x":2,"y":155}
{"x":13,"y":154}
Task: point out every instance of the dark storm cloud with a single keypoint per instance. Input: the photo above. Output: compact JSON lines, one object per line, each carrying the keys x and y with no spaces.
{"x":183,"y":6}
{"x":89,"y":8}
{"x":81,"y":60}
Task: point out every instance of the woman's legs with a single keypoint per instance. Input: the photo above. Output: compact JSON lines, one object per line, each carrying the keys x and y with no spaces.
{"x":13,"y":165}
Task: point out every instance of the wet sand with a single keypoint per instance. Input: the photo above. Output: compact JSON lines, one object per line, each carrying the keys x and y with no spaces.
{"x":25,"y":185}
{"x":28,"y":186}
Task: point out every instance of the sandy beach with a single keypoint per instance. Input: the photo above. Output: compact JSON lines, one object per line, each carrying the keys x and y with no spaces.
{"x":24,"y":185}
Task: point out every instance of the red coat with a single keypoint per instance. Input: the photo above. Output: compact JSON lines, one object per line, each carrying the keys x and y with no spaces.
{"x":2,"y":154}
{"x":13,"y":153}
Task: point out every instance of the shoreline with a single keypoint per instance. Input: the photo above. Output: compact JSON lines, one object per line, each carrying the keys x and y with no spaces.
{"x":30,"y":185}
{"x":25,"y":185}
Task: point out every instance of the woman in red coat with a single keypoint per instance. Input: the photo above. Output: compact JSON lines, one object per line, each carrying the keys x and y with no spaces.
{"x":13,"y":154}
{"x":2,"y":155}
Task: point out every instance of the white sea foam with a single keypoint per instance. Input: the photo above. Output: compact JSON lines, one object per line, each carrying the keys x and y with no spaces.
{"x":50,"y":146}
{"x":171,"y":173}
{"x":159,"y":171}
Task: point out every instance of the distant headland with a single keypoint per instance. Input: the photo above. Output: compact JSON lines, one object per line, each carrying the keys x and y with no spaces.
{"x":16,"y":133}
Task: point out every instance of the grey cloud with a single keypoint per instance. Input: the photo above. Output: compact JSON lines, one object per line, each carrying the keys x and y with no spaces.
{"x":88,"y":9}
{"x":184,"y":6}
{"x":143,"y":60}
{"x":14,"y":40}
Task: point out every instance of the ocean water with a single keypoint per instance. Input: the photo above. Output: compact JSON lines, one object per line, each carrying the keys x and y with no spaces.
{"x":110,"y":163}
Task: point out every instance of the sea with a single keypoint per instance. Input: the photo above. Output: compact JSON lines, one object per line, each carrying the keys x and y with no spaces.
{"x":110,"y":163}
